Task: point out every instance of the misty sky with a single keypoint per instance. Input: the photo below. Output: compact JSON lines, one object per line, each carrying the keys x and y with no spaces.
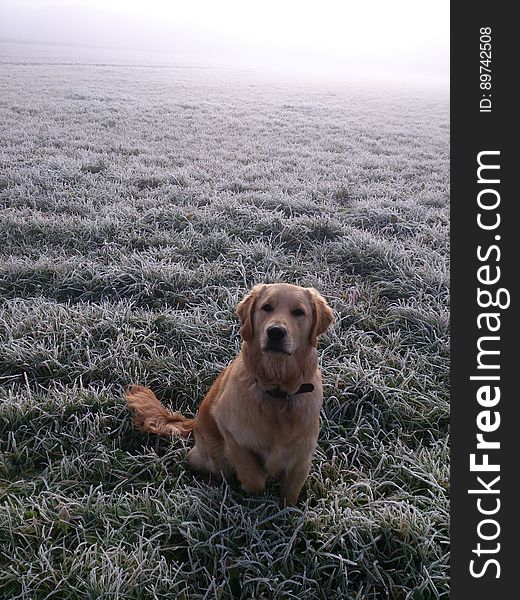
{"x":372,"y":38}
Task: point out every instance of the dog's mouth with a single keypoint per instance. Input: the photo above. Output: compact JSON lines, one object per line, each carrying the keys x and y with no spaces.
{"x":276,"y":349}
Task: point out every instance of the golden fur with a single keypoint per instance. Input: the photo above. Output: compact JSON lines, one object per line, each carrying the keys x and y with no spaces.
{"x":239,"y":427}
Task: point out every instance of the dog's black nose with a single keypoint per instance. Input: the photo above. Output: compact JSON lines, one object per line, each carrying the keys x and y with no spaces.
{"x":276,"y":333}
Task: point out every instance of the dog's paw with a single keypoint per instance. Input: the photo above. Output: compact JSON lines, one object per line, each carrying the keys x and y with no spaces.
{"x":254,"y":485}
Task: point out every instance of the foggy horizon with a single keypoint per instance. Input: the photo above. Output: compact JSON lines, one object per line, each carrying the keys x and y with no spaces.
{"x":406,"y":40}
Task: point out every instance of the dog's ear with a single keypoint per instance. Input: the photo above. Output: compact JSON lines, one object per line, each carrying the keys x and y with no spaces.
{"x":322,"y":315}
{"x":245,"y":311}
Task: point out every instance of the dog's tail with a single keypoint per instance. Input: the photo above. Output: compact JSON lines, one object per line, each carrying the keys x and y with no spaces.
{"x":151,"y":416}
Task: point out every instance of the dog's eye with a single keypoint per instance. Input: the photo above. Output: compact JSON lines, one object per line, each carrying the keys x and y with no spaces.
{"x":298,"y":312}
{"x":267,"y":307}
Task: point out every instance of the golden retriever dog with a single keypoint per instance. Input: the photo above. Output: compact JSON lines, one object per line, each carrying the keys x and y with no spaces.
{"x":260,"y":417}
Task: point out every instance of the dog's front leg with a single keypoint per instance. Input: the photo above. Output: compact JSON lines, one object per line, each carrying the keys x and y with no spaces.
{"x":292,"y":482}
{"x":247,"y":467}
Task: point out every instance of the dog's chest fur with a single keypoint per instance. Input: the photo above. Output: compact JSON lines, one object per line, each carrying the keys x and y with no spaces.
{"x":277,"y":430}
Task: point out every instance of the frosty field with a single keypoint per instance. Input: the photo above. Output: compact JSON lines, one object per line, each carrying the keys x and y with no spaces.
{"x":138,"y":204}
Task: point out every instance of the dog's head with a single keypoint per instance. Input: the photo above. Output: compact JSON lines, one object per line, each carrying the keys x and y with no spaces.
{"x":281,"y":318}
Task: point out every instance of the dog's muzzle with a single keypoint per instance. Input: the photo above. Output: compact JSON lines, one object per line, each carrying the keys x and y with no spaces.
{"x":276,"y":339}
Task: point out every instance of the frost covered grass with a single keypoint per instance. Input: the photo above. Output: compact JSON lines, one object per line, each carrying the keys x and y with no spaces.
{"x":138,"y":204}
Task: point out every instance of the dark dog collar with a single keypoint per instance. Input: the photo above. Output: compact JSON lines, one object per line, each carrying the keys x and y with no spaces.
{"x":278,"y":393}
